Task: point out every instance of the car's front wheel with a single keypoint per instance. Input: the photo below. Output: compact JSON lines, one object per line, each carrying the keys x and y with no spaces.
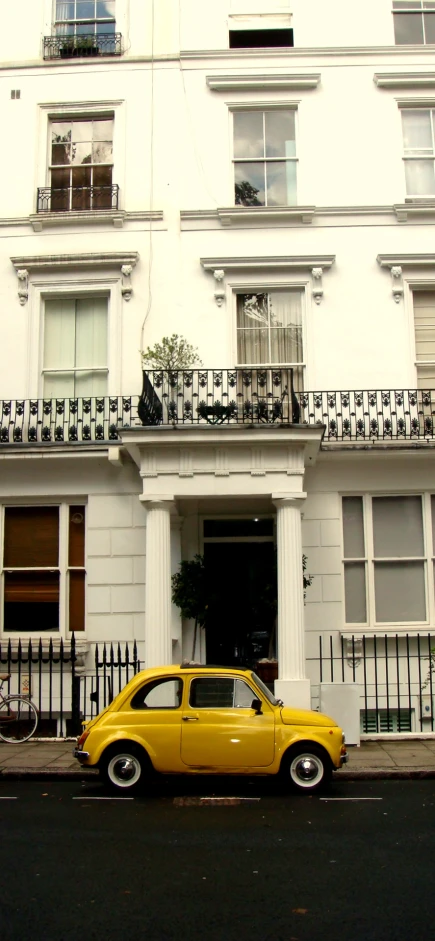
{"x":123,"y":768}
{"x":307,"y":769}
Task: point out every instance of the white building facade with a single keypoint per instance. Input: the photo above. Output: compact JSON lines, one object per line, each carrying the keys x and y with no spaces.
{"x":261,"y":181}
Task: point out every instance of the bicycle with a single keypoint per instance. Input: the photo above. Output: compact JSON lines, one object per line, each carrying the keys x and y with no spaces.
{"x":18,"y":716}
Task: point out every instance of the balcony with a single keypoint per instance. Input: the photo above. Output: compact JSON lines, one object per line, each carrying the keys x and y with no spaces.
{"x":86,"y":45}
{"x":77,"y":198}
{"x":218,"y":397}
{"x":56,"y":421}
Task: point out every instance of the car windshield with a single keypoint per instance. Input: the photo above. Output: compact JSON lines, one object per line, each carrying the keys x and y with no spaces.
{"x":265,"y":690}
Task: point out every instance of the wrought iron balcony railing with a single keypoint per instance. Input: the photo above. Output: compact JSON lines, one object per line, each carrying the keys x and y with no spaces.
{"x":222,"y":396}
{"x":45,"y":421}
{"x":84,"y":45}
{"x":215,"y":396}
{"x":77,"y":198}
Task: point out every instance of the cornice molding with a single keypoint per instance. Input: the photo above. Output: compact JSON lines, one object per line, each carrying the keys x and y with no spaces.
{"x":123,"y":261}
{"x":261,"y":81}
{"x":232,"y":214}
{"x":39,"y":221}
{"x":302,"y":51}
{"x":404,"y":79}
{"x":269,"y":262}
{"x":410,"y":209}
{"x":414,"y":261}
{"x":312,"y":264}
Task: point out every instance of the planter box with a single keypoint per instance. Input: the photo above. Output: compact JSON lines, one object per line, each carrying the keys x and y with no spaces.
{"x":72,"y":52}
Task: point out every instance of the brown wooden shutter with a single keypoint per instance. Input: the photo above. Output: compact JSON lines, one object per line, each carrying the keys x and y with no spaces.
{"x":76,"y":540}
{"x":31,"y":536}
{"x":76,"y":600}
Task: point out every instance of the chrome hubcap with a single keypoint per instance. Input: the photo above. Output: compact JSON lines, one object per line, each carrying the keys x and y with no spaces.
{"x":306,"y":770}
{"x":124,"y":770}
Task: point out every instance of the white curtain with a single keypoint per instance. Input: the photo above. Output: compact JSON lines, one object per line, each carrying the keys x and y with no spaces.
{"x":62,"y":12}
{"x":75,"y":347}
{"x":269,"y":328}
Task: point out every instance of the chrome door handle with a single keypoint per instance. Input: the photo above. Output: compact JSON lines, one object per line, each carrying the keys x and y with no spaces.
{"x":190,"y":718}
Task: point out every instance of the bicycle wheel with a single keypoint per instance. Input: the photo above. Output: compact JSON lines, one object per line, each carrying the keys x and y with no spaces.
{"x":18,"y":720}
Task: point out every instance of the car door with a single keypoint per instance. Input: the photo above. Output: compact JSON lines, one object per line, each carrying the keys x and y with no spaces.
{"x":154,"y":714}
{"x":220,"y":729}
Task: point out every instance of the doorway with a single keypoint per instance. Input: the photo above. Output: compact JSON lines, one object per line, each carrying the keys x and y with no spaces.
{"x":241,"y":578}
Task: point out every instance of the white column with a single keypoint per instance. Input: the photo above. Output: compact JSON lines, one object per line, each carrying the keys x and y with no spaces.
{"x":158,"y":611}
{"x":292,"y":685}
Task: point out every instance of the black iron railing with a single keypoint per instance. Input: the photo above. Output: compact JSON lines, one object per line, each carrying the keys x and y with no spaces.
{"x":86,"y":45}
{"x":77,"y":198}
{"x":222,"y":396}
{"x":395,"y":674}
{"x":380,"y":415}
{"x":217,"y":396}
{"x":42,"y":421}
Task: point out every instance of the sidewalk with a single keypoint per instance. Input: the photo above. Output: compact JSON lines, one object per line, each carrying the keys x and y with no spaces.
{"x":412,"y":758}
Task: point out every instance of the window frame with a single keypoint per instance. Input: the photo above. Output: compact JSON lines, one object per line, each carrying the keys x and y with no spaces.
{"x":371,"y":625}
{"x":421,"y":11}
{"x":269,"y":365}
{"x":43,"y":372}
{"x":409,"y":157}
{"x":53,"y":167}
{"x":263,"y":107}
{"x":214,"y":678}
{"x":110,"y":110}
{"x":63,"y":567}
{"x":92,"y":21}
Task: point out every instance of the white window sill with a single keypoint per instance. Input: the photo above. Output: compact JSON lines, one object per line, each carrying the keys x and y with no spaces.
{"x":46,"y":220}
{"x":259,"y":214}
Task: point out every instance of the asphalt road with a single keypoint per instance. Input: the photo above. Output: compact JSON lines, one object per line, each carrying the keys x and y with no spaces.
{"x":273,"y":867}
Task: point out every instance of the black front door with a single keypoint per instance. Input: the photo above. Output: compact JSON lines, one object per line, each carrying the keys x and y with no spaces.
{"x":242,"y":602}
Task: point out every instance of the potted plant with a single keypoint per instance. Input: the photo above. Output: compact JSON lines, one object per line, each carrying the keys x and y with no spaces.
{"x":77,"y":46}
{"x":189,"y":593}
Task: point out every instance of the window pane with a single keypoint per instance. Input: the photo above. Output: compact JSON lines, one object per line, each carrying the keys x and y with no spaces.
{"x":417,"y":130}
{"x":429,"y":28}
{"x":85,"y":9}
{"x":105,"y":8}
{"x":65,"y":9}
{"x":59,"y":334}
{"x":91,"y":332}
{"x":160,"y":694}
{"x":252,"y":310}
{"x":397,"y":527}
{"x":212,"y":693}
{"x":102,"y":130}
{"x":31,"y":536}
{"x":353,"y":528}
{"x":88,"y":384}
{"x":420,"y":177}
{"x":280,"y":134}
{"x":277,"y":183}
{"x":249,"y":184}
{"x":82,"y":153}
{"x":253,"y":346}
{"x":355,"y":592}
{"x":76,"y":536}
{"x":248,"y":134}
{"x":31,"y":601}
{"x":102,"y":152}
{"x":81,"y":131}
{"x":59,"y":385}
{"x":60,"y":154}
{"x":243,"y":695}
{"x":400,"y":591}
{"x":76,"y":620}
{"x":408,"y":28}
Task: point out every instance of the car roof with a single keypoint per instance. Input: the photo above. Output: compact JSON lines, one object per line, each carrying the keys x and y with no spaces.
{"x":191,"y":667}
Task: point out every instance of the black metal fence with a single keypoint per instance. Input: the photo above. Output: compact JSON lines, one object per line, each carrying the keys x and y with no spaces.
{"x":64,"y":691}
{"x":40,"y":421}
{"x":395,"y":674}
{"x":77,"y":198}
{"x":217,"y":396}
{"x":84,"y":45}
{"x":379,"y":415}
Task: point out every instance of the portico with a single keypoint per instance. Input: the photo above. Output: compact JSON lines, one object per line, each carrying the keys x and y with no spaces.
{"x":220,"y":467}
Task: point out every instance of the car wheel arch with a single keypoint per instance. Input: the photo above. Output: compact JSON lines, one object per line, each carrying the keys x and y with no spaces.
{"x":302,"y":743}
{"x":124,"y":743}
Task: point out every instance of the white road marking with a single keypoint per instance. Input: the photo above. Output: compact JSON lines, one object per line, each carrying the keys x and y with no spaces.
{"x":8,"y":798}
{"x":85,"y":798}
{"x":351,"y":798}
{"x":230,"y":798}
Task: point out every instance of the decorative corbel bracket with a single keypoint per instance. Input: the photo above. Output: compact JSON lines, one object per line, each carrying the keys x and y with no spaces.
{"x":23,"y":285}
{"x":317,"y":274}
{"x":219,"y":294}
{"x":397,"y":282}
{"x":126,"y":287}
{"x":354,"y":651}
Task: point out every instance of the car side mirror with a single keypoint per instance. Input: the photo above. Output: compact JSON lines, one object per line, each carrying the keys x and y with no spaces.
{"x":256,"y":705}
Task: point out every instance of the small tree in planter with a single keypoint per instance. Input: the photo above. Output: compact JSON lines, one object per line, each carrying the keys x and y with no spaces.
{"x":189,"y":593}
{"x":172,"y":353}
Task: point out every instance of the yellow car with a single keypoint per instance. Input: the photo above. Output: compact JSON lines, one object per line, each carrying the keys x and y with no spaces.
{"x":206,"y":720}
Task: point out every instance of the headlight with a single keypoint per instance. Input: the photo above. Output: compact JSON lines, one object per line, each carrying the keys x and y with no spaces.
{"x":343,"y":738}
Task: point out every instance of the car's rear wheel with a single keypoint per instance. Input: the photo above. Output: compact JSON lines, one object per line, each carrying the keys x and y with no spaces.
{"x":124,"y":767}
{"x":307,"y":768}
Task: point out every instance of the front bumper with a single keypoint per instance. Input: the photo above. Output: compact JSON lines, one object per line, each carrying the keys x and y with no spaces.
{"x":81,"y":756}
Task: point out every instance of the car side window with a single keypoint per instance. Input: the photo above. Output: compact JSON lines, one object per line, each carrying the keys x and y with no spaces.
{"x":219,"y":692}
{"x":159,"y":694}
